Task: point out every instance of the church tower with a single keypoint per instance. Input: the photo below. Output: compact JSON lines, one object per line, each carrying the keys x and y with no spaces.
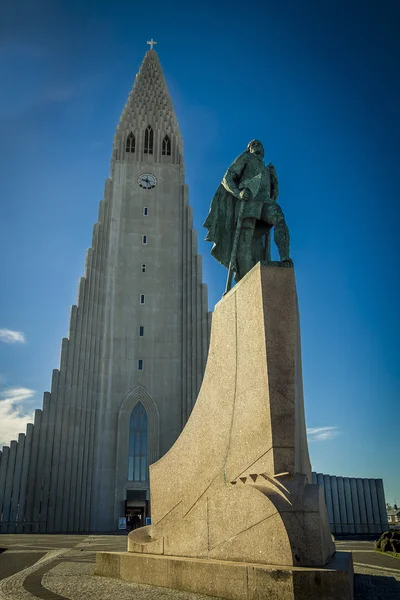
{"x":133,"y":362}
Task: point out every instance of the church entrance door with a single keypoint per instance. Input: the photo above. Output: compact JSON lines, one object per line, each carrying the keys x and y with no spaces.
{"x":135,"y":513}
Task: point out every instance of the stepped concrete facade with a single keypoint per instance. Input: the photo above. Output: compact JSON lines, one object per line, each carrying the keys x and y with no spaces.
{"x":133,"y":362}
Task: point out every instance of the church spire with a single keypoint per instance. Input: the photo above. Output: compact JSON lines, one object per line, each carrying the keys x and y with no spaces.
{"x":148,"y":105}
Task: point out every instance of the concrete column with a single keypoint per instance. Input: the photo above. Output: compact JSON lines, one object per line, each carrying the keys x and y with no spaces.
{"x":82,"y":475}
{"x":66,"y":433}
{"x":375,"y":506}
{"x":77,"y":491}
{"x":33,"y":473}
{"x":91,"y":349}
{"x":78,"y":373}
{"x":335,"y":503}
{"x":74,"y":417}
{"x":42,"y":443}
{"x":183,"y":220}
{"x":16,"y":483}
{"x":368,"y":504}
{"x":342,"y":505}
{"x":98,"y":267}
{"x":199,"y":349}
{"x":329,"y":503}
{"x":349,"y":504}
{"x":91,"y":474}
{"x":362,"y":507}
{"x":48,"y":461}
{"x":8,"y":486}
{"x":355,"y":505}
{"x":84,"y":374}
{"x":24,"y":477}
{"x":194,"y":317}
{"x":93,"y":338}
{"x":58,"y":425}
{"x":189,"y":315}
{"x":382,"y":505}
{"x":3,"y":473}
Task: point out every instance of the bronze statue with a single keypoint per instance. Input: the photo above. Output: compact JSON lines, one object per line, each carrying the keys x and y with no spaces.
{"x":242,"y":213}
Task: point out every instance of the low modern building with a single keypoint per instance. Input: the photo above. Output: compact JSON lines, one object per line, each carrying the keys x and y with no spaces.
{"x":355,"y":505}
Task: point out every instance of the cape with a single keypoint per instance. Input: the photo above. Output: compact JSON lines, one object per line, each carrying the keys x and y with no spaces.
{"x":221,"y":224}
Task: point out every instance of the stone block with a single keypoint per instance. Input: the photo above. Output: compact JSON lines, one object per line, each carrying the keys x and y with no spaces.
{"x":234,"y":580}
{"x":234,"y":512}
{"x":108,"y":564}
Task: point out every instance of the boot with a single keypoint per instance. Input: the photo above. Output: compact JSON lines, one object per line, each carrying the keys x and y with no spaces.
{"x":282,"y":241}
{"x":244,"y":259}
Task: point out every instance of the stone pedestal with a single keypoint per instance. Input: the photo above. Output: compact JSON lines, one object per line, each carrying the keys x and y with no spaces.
{"x":234,"y":493}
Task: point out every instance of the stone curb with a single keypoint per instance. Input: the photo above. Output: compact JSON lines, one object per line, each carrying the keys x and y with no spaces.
{"x":376,"y":567}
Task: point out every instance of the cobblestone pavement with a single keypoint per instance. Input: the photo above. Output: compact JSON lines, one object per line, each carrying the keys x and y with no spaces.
{"x":60,"y":567}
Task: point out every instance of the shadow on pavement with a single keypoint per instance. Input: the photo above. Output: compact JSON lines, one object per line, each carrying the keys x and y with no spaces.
{"x":376,"y":587}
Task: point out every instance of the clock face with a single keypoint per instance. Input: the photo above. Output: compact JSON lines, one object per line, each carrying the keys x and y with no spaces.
{"x":147,"y":181}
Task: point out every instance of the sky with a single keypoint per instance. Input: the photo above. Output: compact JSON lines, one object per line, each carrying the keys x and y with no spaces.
{"x":316,"y":81}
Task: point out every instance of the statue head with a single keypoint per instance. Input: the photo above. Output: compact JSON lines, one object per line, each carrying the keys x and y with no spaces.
{"x":256,"y":147}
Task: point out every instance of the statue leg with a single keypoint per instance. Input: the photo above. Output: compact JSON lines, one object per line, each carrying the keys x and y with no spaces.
{"x":244,"y":259}
{"x":273,"y":214}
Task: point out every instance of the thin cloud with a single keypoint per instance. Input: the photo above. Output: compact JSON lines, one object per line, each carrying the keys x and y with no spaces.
{"x":321,"y":434}
{"x":12,"y":337}
{"x":13,"y":416}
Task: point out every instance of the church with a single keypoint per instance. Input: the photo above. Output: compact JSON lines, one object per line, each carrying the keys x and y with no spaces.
{"x":133,"y":362}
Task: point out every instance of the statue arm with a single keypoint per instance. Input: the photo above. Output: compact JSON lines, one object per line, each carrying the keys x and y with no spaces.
{"x":274,"y":182}
{"x":231,"y":179}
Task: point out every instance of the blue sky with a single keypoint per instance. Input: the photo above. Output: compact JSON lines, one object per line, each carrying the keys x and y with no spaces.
{"x":316,"y":81}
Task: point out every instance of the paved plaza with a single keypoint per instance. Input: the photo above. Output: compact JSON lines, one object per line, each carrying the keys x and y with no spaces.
{"x":54,"y":567}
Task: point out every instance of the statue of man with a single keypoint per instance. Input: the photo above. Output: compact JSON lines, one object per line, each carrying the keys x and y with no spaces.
{"x":260,"y":212}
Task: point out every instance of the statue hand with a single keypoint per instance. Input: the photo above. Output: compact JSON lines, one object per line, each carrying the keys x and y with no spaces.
{"x":245,"y":195}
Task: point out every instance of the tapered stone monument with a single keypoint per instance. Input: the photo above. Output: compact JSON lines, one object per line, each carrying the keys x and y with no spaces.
{"x":234,"y":512}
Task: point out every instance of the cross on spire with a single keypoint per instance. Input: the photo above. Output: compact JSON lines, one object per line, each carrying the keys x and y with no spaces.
{"x":151,"y":43}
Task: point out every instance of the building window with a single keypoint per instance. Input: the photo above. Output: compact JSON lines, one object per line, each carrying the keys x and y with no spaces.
{"x":141,"y":331}
{"x":140,"y":364}
{"x":144,"y":268}
{"x":148,"y":140}
{"x":141,"y":298}
{"x":145,"y":211}
{"x":137,"y":463}
{"x":166,"y":146}
{"x":144,"y":239}
{"x":130,"y":143}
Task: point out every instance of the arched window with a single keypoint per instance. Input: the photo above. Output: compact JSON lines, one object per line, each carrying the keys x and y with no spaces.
{"x":148,"y":140}
{"x":137,"y":464}
{"x":166,"y":146}
{"x":130,"y":143}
